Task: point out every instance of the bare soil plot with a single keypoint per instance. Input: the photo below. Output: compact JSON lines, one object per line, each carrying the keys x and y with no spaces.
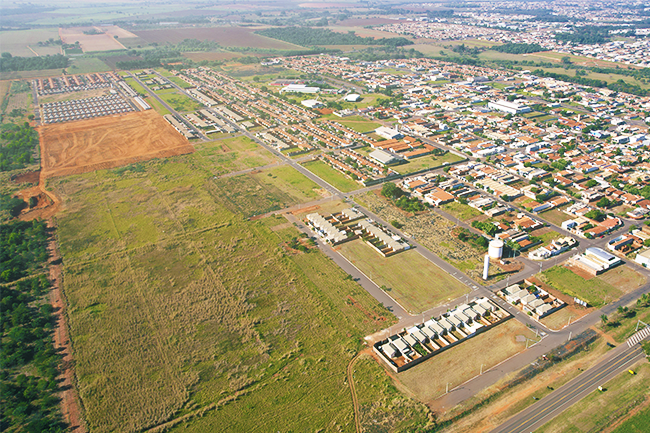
{"x":101,"y":42}
{"x":117,"y":31}
{"x":226,"y":36}
{"x":106,"y":142}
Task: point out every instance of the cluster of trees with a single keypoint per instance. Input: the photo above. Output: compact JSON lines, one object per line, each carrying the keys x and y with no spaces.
{"x":16,"y":145}
{"x":596,"y":214}
{"x":10,"y":206}
{"x":478,"y":241}
{"x":513,"y":48}
{"x":585,"y":35}
{"x":486,"y":227}
{"x":23,"y":246}
{"x":28,"y":401}
{"x":401,"y":199}
{"x":617,"y":86}
{"x":307,"y":36}
{"x":462,"y":49}
{"x":49,"y":42}
{"x":10,"y":63}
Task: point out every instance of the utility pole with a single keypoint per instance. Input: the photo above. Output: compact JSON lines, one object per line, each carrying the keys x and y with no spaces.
{"x":482,"y":368}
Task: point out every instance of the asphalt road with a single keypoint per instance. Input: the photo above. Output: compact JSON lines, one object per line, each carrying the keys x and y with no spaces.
{"x":538,"y":414}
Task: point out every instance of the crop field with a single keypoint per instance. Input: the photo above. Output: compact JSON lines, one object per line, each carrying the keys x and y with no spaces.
{"x":429,"y":380}
{"x":596,"y":291}
{"x":225,"y":36}
{"x":178,"y":101}
{"x":18,"y":42}
{"x":200,"y":56}
{"x":255,"y":194}
{"x":186,"y":316}
{"x":105,"y":142}
{"x":332,"y":176}
{"x":87,"y":65}
{"x":101,"y":42}
{"x":412,"y":280}
{"x":599,"y":409}
{"x":435,"y":233}
{"x":100,"y":13}
{"x":426,"y":162}
{"x":233,"y":154}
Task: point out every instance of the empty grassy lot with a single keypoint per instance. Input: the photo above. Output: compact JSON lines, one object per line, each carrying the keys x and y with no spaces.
{"x":428,"y":381}
{"x":332,"y":176}
{"x":639,"y":423}
{"x":178,"y":307}
{"x":178,"y":101}
{"x":136,"y":86}
{"x":595,"y":290}
{"x":232,"y":154}
{"x":359,"y":124}
{"x":426,"y":162}
{"x":414,"y":282}
{"x":554,"y":216}
{"x":461,"y":211}
{"x":599,"y":409}
{"x":291,"y":181}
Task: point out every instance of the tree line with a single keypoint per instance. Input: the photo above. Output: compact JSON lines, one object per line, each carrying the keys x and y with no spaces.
{"x":10,"y":63}
{"x":17,"y":142}
{"x":29,"y":364}
{"x":617,"y":86}
{"x":307,"y":36}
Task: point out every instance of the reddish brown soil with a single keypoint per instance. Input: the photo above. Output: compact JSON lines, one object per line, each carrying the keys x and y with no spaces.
{"x":107,"y":142}
{"x":70,"y":405}
{"x":29,"y":177}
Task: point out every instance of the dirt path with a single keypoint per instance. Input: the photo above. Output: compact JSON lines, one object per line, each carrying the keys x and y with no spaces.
{"x":353,"y":391}
{"x":70,"y":404}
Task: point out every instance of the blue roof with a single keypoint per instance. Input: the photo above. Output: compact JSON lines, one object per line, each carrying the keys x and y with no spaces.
{"x":600,"y":253}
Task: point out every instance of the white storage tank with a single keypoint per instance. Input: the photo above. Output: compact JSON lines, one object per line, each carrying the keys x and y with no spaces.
{"x":495,"y":249}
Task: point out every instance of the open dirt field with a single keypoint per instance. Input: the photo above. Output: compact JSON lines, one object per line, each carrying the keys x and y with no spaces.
{"x":106,"y":142}
{"x":102,"y":42}
{"x":116,"y":31}
{"x":226,"y":36}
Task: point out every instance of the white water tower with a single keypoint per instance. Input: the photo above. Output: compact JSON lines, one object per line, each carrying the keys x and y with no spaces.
{"x":495,"y":249}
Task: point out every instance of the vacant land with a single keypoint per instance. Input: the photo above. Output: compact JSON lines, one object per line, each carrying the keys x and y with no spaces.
{"x":359,"y":124}
{"x":416,"y":283}
{"x":426,"y":162}
{"x":638,"y":423}
{"x":599,"y":409}
{"x":429,"y":380}
{"x":178,"y":101}
{"x":179,"y":307}
{"x":225,"y":36}
{"x":332,"y":176}
{"x":87,"y":65}
{"x":554,"y":216}
{"x":19,"y":42}
{"x":105,"y":142}
{"x":233,"y":154}
{"x":596,"y":291}
{"x":255,"y":194}
{"x":461,"y":211}
{"x":101,"y":42}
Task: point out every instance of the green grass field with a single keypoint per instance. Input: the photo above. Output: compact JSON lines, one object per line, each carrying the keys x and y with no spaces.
{"x":599,"y":409}
{"x":461,"y":211}
{"x":291,"y":181}
{"x":160,"y":108}
{"x":359,"y":124}
{"x":595,"y":291}
{"x":639,"y":423}
{"x":411,"y":279}
{"x":232,"y":154}
{"x":87,"y":65}
{"x":19,"y":42}
{"x":179,"y":102}
{"x":136,"y":86}
{"x":183,"y":312}
{"x":332,"y":176}
{"x":426,"y":162}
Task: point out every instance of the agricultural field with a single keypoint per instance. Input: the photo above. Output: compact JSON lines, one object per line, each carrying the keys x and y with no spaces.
{"x":68,"y":16}
{"x":435,"y":233}
{"x":179,"y":102}
{"x":225,"y":327}
{"x":332,"y":176}
{"x":427,"y":162}
{"x":225,"y":36}
{"x":87,"y":65}
{"x":104,"y":142}
{"x":599,"y":409}
{"x":90,"y":43}
{"x":462,"y":362}
{"x":412,"y":280}
{"x":211,"y":56}
{"x":24,"y":43}
{"x":233,"y":154}
{"x":597,"y":290}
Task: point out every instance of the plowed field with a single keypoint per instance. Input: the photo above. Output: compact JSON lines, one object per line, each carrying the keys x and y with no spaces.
{"x":107,"y":142}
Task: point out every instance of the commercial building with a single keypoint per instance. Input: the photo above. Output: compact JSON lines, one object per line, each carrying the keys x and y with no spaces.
{"x":509,"y":107}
